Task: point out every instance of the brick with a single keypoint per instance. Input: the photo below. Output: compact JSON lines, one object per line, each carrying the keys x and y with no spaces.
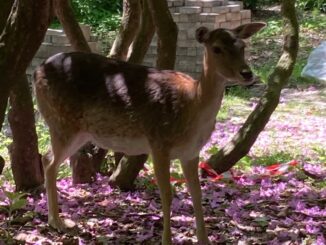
{"x":53,"y":32}
{"x":225,"y":25}
{"x":208,"y":17}
{"x":235,"y":23}
{"x":245,"y":21}
{"x":190,"y":10}
{"x":187,"y":26}
{"x":193,"y":17}
{"x":220,"y":9}
{"x":178,"y":3}
{"x":212,"y":3}
{"x":191,"y":34}
{"x":207,"y":10}
{"x":220,"y":18}
{"x":237,"y":2}
{"x":181,"y":51}
{"x":233,"y":16}
{"x":176,"y":17}
{"x":217,"y":25}
{"x":182,"y":35}
{"x":193,"y":3}
{"x":183,"y":18}
{"x":191,"y":52}
{"x":234,"y":8}
{"x":47,"y":39}
{"x":62,"y":39}
{"x":245,"y":14}
{"x":187,"y":43}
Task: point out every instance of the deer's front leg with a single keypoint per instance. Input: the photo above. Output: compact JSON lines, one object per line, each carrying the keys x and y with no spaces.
{"x":162,"y":173}
{"x":190,"y":171}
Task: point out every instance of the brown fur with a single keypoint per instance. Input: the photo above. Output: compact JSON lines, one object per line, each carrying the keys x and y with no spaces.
{"x":136,"y":109}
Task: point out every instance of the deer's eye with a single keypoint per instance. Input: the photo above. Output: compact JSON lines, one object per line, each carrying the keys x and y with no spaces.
{"x":217,"y":50}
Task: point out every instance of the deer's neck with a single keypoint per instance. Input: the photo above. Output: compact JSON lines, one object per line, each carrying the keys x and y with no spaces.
{"x":211,"y":87}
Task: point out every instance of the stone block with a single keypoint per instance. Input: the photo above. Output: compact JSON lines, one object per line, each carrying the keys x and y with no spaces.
{"x":187,"y":26}
{"x":212,"y":3}
{"x":193,"y":18}
{"x":181,"y":51}
{"x":233,"y":16}
{"x":208,"y":17}
{"x":95,"y":47}
{"x":193,"y":3}
{"x":187,"y":43}
{"x":220,"y":9}
{"x":220,"y":18}
{"x":86,"y":29}
{"x":178,"y":3}
{"x":237,"y":2}
{"x":225,"y":25}
{"x":47,"y":39}
{"x":54,"y":32}
{"x":207,"y":10}
{"x":36,"y":61}
{"x":245,"y":14}
{"x":235,"y":23}
{"x":191,"y":52}
{"x":62,"y":39}
{"x":176,"y":17}
{"x":234,"y":8}
{"x":190,"y":10}
{"x":245,"y":21}
{"x":182,"y":35}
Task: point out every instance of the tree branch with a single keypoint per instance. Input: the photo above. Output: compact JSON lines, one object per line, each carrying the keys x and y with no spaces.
{"x":241,"y":143}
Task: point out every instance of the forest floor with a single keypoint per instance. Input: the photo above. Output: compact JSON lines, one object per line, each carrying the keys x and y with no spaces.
{"x":278,"y":196}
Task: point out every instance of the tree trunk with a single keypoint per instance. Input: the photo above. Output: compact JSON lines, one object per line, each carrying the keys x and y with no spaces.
{"x":87,"y":161}
{"x":2,"y":164}
{"x":241,"y":143}
{"x":167,"y":32}
{"x":65,"y":14}
{"x":157,"y":13}
{"x":25,"y":159}
{"x":144,"y":36}
{"x":20,"y":37}
{"x":128,"y":29}
{"x":19,"y":40}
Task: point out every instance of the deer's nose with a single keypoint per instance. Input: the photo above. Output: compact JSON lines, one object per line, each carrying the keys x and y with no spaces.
{"x":246,"y":74}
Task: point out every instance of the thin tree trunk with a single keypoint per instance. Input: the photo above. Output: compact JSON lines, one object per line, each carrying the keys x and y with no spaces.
{"x":65,"y":14}
{"x":167,"y":32}
{"x":241,"y":143}
{"x":25,"y":159}
{"x":87,"y":161}
{"x":5,"y":7}
{"x":155,"y":14}
{"x":20,"y":37}
{"x":144,"y":36}
{"x":19,"y":40}
{"x":128,"y":29}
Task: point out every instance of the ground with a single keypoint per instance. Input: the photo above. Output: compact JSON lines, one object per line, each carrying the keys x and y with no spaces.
{"x":276,"y":196}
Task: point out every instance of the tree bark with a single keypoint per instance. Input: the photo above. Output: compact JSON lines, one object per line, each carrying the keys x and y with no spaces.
{"x":167,"y":32}
{"x":19,"y":40}
{"x":65,"y":14}
{"x":25,"y":159}
{"x":20,"y":37}
{"x":241,"y":143}
{"x":144,"y":36}
{"x":157,"y":13}
{"x":87,"y":161}
{"x":128,"y":29}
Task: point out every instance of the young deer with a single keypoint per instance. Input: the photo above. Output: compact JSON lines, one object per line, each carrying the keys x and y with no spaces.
{"x":136,"y":110}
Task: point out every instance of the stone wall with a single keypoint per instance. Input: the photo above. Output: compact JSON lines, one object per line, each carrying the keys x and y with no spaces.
{"x":191,"y":14}
{"x":55,"y":41}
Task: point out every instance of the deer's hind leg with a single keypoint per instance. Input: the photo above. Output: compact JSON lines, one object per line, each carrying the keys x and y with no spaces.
{"x":62,"y":147}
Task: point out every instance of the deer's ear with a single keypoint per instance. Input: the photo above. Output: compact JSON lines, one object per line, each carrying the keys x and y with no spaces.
{"x":247,"y":30}
{"x":202,"y":34}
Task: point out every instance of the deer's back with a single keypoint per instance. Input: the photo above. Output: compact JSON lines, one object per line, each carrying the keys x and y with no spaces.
{"x":110,"y":98}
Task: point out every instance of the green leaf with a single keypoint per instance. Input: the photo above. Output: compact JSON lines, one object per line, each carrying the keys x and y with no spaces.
{"x":18,"y":204}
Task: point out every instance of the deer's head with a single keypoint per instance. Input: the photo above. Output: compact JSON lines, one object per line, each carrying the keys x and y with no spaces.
{"x":224,"y":49}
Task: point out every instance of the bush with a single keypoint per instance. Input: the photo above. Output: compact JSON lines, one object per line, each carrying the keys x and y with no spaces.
{"x":103,"y":15}
{"x":312,"y":4}
{"x":258,"y":4}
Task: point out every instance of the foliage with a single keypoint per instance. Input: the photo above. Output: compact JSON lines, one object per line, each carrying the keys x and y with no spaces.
{"x":312,"y":4}
{"x":258,"y":4}
{"x":15,"y":201}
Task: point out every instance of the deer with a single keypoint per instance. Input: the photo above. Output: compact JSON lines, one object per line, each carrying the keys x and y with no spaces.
{"x":135,"y":109}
